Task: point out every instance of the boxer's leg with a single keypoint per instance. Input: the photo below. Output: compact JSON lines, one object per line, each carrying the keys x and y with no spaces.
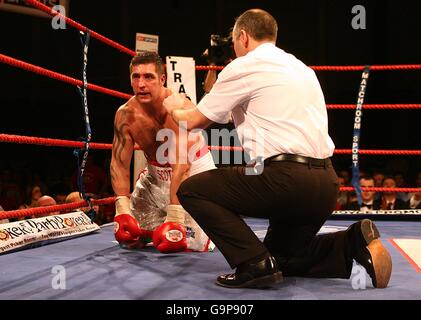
{"x":148,"y":202}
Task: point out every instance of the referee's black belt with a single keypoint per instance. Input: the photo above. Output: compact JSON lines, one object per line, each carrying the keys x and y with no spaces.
{"x":313,"y":162}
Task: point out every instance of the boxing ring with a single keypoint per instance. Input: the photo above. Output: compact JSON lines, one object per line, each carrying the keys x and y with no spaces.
{"x":98,"y":269}
{"x":95,"y":267}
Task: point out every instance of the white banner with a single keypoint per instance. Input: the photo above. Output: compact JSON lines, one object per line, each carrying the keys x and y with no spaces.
{"x":16,"y":235}
{"x":181,"y":76}
{"x":20,"y":6}
{"x":146,"y":42}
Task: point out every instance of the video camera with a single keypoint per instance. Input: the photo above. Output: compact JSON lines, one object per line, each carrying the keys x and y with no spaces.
{"x":220,"y":50}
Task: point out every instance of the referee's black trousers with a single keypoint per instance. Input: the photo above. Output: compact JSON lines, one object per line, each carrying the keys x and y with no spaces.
{"x":296,"y":198}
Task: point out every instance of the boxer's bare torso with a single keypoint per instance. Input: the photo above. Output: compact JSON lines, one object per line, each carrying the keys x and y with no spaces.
{"x":137,"y":122}
{"x":141,"y":127}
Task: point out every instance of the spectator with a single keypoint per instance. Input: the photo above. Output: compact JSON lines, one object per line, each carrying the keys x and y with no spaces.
{"x":342,"y":200}
{"x":94,"y":178}
{"x":60,"y":191}
{"x":33,"y":193}
{"x":415,"y":198}
{"x":75,"y":197}
{"x":378,"y":179}
{"x":389,"y":200}
{"x":46,"y":201}
{"x":400,"y":183}
{"x":106,"y":212}
{"x":346,"y":175}
{"x":378,"y":183}
{"x":60,"y":198}
{"x":367,"y":196}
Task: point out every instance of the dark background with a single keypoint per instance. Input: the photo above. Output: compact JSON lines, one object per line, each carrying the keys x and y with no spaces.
{"x":317,"y":32}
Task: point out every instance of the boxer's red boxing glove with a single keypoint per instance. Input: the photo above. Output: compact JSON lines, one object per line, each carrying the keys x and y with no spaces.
{"x":170,"y":237}
{"x":126,"y":229}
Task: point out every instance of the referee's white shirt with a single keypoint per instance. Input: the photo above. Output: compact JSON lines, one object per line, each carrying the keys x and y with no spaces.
{"x":277,"y":104}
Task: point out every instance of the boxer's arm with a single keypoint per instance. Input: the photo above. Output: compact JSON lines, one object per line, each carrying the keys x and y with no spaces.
{"x":122,"y":151}
{"x":127,"y":230}
{"x":180,"y":169}
{"x":171,"y":235}
{"x":180,"y":172}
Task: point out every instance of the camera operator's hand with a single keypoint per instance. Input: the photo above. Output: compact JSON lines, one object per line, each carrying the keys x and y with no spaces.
{"x":205,"y":54}
{"x":210,"y":79}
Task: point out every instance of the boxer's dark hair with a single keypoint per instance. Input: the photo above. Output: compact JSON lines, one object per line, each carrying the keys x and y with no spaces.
{"x":147,"y":57}
{"x":258,"y":23}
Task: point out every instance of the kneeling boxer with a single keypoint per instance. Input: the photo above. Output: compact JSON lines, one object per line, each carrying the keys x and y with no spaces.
{"x":152,"y":211}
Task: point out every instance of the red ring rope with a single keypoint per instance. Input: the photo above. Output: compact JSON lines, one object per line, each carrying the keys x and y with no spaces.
{"x":374,"y":106}
{"x":80,"y":27}
{"x":381,"y":152}
{"x":119,"y":47}
{"x":48,"y":209}
{"x":372,"y":68}
{"x":375,"y":189}
{"x":107,"y":146}
{"x":80,"y":204}
{"x":57,"y":76}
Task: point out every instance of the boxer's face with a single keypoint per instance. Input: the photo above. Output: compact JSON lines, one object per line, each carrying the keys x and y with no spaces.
{"x":146,"y":82}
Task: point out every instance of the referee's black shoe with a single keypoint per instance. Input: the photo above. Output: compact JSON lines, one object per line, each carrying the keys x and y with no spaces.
{"x":261,"y":274}
{"x":368,"y":251}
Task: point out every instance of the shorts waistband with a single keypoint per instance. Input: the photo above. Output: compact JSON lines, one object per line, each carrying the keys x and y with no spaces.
{"x":322,"y":163}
